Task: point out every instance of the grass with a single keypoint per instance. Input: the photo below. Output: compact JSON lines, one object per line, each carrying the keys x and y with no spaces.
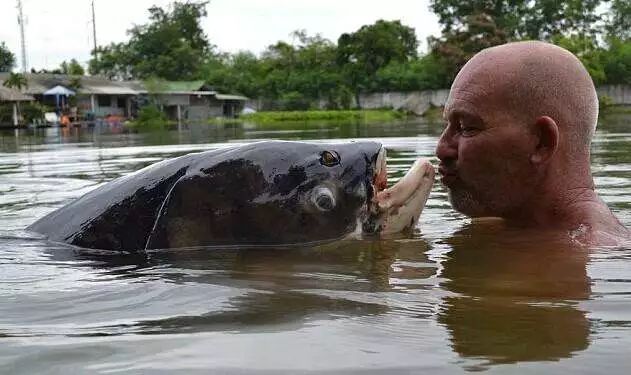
{"x":373,"y":115}
{"x":613,"y":110}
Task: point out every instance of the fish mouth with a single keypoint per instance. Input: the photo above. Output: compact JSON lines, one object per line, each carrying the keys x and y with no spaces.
{"x":397,"y":208}
{"x":380,"y":177}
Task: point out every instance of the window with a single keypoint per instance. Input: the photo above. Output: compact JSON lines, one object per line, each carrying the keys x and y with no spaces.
{"x":103,"y":100}
{"x":121,"y":103}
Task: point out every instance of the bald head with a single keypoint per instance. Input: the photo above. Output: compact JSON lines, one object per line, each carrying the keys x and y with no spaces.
{"x":527,"y":80}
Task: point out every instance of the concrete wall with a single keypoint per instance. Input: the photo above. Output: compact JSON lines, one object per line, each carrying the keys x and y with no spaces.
{"x":418,"y":102}
{"x":619,"y":94}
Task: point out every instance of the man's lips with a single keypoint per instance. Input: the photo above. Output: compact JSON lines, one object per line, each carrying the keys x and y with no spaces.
{"x":448,"y":176}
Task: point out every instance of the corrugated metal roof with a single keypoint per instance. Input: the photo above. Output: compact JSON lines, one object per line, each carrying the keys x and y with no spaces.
{"x":38,"y":83}
{"x":231,"y":97}
{"x":114,"y":88}
{"x":202,"y":93}
{"x":12,"y":95}
{"x":183,"y":86}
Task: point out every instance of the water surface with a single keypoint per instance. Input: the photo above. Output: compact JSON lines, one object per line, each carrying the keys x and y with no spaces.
{"x":455,"y":296}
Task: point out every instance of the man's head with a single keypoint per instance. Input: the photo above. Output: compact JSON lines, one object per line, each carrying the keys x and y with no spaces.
{"x":519,"y":116}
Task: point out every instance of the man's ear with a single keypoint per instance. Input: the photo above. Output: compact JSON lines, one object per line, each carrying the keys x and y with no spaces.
{"x":547,"y":133}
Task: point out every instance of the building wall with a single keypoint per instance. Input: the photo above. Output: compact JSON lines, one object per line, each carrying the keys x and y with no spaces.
{"x":174,"y":99}
{"x":619,"y":94}
{"x":419,"y":101}
{"x":110,"y":107}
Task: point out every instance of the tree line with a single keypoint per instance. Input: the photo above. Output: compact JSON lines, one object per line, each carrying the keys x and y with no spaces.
{"x":379,"y":57}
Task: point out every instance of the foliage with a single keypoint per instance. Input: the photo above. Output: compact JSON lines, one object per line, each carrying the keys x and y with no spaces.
{"x":470,"y":26}
{"x":604,"y":102}
{"x":16,"y":80}
{"x":7,"y":58}
{"x":362,"y":53}
{"x":150,"y":116}
{"x":586,"y":48}
{"x":29,"y":112}
{"x":299,"y":116}
{"x":618,"y":19}
{"x":519,"y":19}
{"x":72,"y":68}
{"x":309,"y":71}
{"x":239,"y":73}
{"x":34,"y":111}
{"x":6,"y":113}
{"x":171,"y":46}
{"x":617,"y":61}
{"x":426,"y":73}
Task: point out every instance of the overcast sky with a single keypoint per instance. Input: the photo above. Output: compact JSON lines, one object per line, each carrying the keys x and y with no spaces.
{"x":58,"y":30}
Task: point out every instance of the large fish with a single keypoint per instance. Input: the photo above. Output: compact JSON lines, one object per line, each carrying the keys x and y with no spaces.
{"x":260,"y":194}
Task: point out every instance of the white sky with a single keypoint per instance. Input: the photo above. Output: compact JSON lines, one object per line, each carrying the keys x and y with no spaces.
{"x":58,"y":30}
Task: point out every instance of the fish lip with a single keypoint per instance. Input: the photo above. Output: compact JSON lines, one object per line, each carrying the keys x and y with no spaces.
{"x":379,"y":179}
{"x":370,"y":220}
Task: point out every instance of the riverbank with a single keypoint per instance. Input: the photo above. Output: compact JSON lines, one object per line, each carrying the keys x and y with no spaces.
{"x":365,"y":116}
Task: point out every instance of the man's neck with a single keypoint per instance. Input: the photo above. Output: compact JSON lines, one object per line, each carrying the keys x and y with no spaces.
{"x":573,"y":206}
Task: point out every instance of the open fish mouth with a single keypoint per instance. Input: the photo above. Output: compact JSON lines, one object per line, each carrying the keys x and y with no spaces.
{"x":397,"y":209}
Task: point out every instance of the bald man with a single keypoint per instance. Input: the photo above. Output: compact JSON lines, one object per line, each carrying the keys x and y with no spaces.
{"x":520,"y":118}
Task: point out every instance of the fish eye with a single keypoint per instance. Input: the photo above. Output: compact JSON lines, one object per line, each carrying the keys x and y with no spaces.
{"x":323,"y":199}
{"x":329,"y":158}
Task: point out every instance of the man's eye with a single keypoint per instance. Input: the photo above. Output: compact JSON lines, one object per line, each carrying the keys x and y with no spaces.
{"x":467,"y":131}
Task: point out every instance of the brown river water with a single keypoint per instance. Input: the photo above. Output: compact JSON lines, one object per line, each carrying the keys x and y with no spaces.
{"x":456,"y":296}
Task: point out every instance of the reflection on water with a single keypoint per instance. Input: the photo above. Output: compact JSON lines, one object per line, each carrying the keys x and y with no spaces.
{"x":456,"y":295}
{"x":517,"y":295}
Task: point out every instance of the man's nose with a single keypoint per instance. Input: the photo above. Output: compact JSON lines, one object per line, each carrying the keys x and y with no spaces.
{"x":447,"y":147}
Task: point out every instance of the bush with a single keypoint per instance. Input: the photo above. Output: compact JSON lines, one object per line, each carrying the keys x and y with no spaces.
{"x":6,"y":114}
{"x":604,"y":102}
{"x":340,"y":116}
{"x":33,"y":111}
{"x":151,"y":116}
{"x":294,"y":101}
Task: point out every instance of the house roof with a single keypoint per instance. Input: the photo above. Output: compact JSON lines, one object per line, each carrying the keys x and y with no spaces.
{"x":59,"y":90}
{"x":173,"y":87}
{"x":12,"y":95}
{"x":231,"y":97}
{"x":38,"y":83}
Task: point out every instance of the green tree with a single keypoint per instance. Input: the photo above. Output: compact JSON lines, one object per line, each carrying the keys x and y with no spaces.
{"x":16,"y":80}
{"x":619,"y":19}
{"x":586,"y":48}
{"x":239,"y":73}
{"x":617,"y":61}
{"x":73,"y":68}
{"x":171,"y":46}
{"x":362,"y":53}
{"x":7,"y":58}
{"x":521,"y":19}
{"x":426,"y":73}
{"x":470,"y":26}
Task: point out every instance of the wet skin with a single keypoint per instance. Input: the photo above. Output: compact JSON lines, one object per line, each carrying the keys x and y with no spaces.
{"x":514,"y":149}
{"x":266,"y":193}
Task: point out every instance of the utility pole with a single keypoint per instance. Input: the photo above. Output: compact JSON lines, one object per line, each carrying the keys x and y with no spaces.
{"x":94,"y":31}
{"x":23,"y":41}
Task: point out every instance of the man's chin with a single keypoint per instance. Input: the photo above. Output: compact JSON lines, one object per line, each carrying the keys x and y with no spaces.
{"x":466,"y":204}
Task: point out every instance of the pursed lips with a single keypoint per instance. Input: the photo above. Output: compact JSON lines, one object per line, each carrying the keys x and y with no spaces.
{"x":448,"y":175}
